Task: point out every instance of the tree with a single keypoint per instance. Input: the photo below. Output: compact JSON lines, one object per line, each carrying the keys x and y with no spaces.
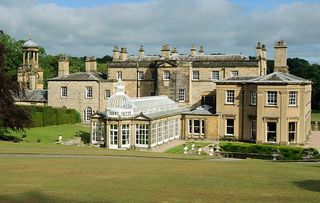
{"x":12,"y":59}
{"x":12,"y":117}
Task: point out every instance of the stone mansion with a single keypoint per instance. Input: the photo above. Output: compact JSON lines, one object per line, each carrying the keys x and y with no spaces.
{"x":145,"y":101}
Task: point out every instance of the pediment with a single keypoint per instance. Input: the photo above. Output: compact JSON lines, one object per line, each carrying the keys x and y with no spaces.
{"x":142,"y":117}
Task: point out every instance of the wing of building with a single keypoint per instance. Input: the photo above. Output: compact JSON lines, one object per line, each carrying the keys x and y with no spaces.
{"x":195,"y":96}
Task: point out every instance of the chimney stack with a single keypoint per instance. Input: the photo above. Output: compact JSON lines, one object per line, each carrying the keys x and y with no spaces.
{"x":91,"y":64}
{"x":165,"y":51}
{"x":201,"y":51}
{"x":141,"y":51}
{"x":63,"y":66}
{"x":280,"y":57}
{"x":115,"y":54}
{"x":123,"y":54}
{"x":193,"y":50}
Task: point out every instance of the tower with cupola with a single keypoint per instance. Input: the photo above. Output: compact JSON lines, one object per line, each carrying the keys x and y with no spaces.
{"x":30,"y":75}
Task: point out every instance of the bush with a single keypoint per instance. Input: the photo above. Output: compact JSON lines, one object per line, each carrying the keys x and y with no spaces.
{"x":48,"y":116}
{"x":286,"y":152}
{"x":37,"y":119}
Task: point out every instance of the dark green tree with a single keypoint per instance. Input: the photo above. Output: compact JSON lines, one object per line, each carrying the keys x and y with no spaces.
{"x":12,"y":117}
{"x":13,"y":56}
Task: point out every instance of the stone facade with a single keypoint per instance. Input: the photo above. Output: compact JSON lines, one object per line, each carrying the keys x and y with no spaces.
{"x":268,"y":109}
{"x":145,"y":74}
{"x":224,"y":96}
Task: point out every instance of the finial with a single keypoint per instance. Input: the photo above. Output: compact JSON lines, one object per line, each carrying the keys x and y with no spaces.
{"x":30,"y":36}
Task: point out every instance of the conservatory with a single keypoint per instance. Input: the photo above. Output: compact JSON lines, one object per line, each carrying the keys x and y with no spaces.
{"x":139,"y":122}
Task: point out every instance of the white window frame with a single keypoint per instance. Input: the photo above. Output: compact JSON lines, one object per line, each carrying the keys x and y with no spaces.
{"x":195,"y":75}
{"x":166,"y":131}
{"x":253,"y":98}
{"x":94,"y":132}
{"x":230,"y":96}
{"x":166,"y":75}
{"x":140,"y":75}
{"x":88,"y":112}
{"x":182,"y":95}
{"x":154,"y":134}
{"x":192,"y":126}
{"x":229,"y":126}
{"x":215,"y":75}
{"x":142,"y":135}
{"x":89,"y":92}
{"x":294,"y":132}
{"x":125,"y":135}
{"x":234,"y":73}
{"x":293,"y":97}
{"x":160,"y":132}
{"x":269,"y":131}
{"x":64,"y":91}
{"x":113,"y":132}
{"x":119,"y":75}
{"x":272,"y":98}
{"x":107,"y":95}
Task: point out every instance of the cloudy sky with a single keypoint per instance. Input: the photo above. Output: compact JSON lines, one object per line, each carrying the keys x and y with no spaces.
{"x":91,"y":28}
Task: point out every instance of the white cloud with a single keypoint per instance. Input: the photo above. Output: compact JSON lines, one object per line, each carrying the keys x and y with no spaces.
{"x":221,"y":26}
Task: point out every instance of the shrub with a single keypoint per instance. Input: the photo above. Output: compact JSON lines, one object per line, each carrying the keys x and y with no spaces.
{"x":47,"y":116}
{"x":286,"y":152}
{"x":37,"y":119}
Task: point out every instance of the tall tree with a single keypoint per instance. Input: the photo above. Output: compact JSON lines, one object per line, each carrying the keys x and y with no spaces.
{"x":13,"y":57}
{"x":12,"y":117}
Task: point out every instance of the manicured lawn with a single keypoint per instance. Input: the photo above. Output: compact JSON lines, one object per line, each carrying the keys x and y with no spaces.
{"x":131,"y":176}
{"x":50,"y":134}
{"x":179,"y":149}
{"x":315,"y":116}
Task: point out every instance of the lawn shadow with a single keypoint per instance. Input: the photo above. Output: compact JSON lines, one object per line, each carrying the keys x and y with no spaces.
{"x":311,"y":185}
{"x":85,"y":136}
{"x":30,"y":196}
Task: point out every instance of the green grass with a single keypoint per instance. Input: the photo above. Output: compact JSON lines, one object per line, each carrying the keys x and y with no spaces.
{"x":179,"y":149}
{"x":315,"y":116}
{"x":50,"y":134}
{"x":160,"y":178}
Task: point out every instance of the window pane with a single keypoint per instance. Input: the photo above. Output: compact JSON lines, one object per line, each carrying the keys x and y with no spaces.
{"x":182,"y":95}
{"x":272,"y":98}
{"x":293,"y":98}
{"x":215,"y":75}
{"x":196,"y":127}
{"x":230,"y":126}
{"x":253,"y":98}
{"x":195,"y":75}
{"x":271,"y":132}
{"x":230,"y":96}
{"x":292,"y":131}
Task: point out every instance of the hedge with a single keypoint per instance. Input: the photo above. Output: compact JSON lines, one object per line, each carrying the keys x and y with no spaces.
{"x":47,"y":115}
{"x":285,"y":152}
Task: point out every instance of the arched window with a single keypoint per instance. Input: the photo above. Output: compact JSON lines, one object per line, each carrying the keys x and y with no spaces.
{"x":87,"y":114}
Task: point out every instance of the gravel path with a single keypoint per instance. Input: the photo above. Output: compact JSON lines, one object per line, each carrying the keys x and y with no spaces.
{"x":166,"y":146}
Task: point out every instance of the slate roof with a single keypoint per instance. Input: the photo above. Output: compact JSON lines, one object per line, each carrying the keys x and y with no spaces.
{"x":82,"y":76}
{"x":201,"y":110}
{"x":272,"y":78}
{"x":33,"y":96}
{"x":224,"y":60}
